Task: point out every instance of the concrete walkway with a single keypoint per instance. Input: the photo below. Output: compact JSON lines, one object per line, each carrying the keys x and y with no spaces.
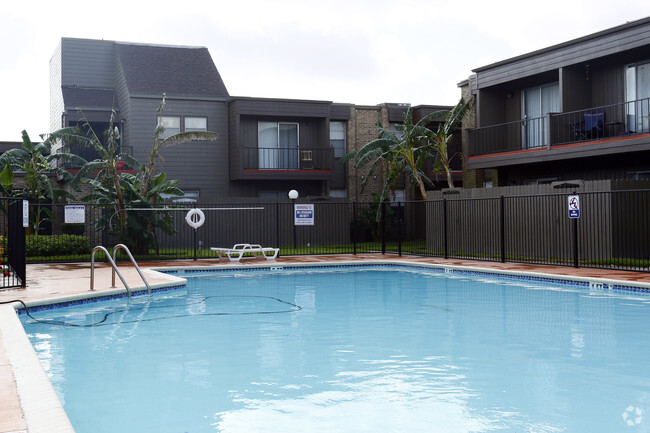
{"x":27,"y":400}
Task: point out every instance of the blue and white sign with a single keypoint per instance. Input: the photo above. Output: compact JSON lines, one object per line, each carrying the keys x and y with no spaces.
{"x":574,"y":206}
{"x":303,"y":214}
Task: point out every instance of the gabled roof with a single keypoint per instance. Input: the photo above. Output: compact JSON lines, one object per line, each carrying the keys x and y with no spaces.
{"x":177,"y":71}
{"x":89,"y":99}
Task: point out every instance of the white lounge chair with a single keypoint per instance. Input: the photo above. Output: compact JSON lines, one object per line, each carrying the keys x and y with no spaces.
{"x":238,"y":251}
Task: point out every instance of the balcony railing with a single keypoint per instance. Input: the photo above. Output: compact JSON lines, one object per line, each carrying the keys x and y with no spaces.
{"x":87,"y":153}
{"x":287,"y":158}
{"x":596,"y":123}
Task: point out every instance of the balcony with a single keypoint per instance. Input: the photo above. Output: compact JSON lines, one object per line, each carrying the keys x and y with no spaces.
{"x":604,"y":127}
{"x":288,"y":163}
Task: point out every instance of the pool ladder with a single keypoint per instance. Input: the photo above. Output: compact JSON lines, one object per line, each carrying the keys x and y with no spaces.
{"x":114,"y":266}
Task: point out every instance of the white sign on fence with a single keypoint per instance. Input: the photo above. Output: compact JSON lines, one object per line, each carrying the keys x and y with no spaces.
{"x":75,"y":214}
{"x":303,"y":214}
{"x":25,"y":213}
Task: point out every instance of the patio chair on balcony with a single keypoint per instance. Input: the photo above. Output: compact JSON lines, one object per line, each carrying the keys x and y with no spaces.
{"x":306,"y":158}
{"x":591,"y":127}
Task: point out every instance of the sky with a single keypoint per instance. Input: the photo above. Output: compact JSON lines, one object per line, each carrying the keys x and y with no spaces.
{"x":355,"y":51}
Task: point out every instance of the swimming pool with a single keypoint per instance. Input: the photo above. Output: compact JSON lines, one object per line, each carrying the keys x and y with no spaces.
{"x":352,"y":349}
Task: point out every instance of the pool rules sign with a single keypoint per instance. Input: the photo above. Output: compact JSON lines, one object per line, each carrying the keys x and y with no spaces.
{"x":574,"y":206}
{"x":303,"y":215}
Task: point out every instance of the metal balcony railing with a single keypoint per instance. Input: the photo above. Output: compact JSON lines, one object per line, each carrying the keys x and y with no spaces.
{"x":287,"y":158}
{"x":596,"y":123}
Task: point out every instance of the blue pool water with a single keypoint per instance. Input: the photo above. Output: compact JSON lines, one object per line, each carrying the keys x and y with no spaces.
{"x":373,"y":349}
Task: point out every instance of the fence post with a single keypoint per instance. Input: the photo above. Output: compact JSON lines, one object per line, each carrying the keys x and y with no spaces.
{"x":354,"y":228}
{"x":575,"y":241}
{"x":503,"y":229}
{"x":277,"y":225}
{"x":16,"y":241}
{"x":444,"y":225}
{"x":195,"y":257}
{"x":399,"y":228}
{"x":383,"y":227}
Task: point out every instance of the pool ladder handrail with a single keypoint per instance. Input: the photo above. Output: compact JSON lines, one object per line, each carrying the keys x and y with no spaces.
{"x":114,"y":267}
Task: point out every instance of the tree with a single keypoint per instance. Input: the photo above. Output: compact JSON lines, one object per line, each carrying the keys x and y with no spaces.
{"x":139,"y":231}
{"x":38,"y":165}
{"x":407,"y":150}
{"x":107,"y":179}
{"x":123,"y":190}
{"x":403,"y":151}
{"x":440,"y":139}
{"x":180,"y":138}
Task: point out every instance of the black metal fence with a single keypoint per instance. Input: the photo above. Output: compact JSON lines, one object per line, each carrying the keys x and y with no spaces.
{"x":12,"y":244}
{"x":613,"y":230}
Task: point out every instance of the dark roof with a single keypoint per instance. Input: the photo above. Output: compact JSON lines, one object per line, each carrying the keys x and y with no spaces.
{"x":187,"y":71}
{"x":612,"y":30}
{"x":87,"y":99}
{"x":7,"y":145}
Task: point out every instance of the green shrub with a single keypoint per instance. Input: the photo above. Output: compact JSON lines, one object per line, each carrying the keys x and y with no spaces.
{"x":73,"y":228}
{"x":61,"y":245}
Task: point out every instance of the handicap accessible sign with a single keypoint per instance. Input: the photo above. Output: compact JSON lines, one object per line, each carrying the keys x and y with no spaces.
{"x":303,"y":214}
{"x":574,"y":206}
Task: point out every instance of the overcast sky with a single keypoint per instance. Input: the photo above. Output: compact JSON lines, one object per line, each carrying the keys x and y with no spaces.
{"x":356,"y":51}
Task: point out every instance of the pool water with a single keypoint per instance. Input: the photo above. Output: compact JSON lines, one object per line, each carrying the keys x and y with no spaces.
{"x":371,"y":349}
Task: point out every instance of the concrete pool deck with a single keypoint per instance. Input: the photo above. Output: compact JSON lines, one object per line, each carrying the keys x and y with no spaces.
{"x":27,"y":400}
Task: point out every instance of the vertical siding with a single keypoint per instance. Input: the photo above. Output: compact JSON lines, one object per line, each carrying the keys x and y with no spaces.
{"x":123,"y":100}
{"x":492,"y":108}
{"x":575,"y":89}
{"x":87,"y":63}
{"x":234,"y":149}
{"x":56,"y":95}
{"x":608,"y":83}
{"x":199,"y":165}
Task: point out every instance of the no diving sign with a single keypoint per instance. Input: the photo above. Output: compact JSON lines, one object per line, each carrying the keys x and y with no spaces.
{"x":574,"y":206}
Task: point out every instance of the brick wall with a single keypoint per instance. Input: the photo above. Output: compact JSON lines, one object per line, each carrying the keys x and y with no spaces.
{"x":471,"y":178}
{"x":362,"y":128}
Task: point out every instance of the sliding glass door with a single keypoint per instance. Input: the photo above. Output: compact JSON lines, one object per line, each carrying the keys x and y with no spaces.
{"x":278,"y":145}
{"x":637,"y":97}
{"x":537,"y":102}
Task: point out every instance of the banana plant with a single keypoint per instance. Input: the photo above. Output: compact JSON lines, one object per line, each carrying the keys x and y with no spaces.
{"x":39,"y":166}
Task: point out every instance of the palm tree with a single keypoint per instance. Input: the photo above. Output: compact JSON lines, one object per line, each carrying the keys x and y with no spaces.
{"x":397,"y":152}
{"x":439,"y":140}
{"x":407,"y":150}
{"x":37,"y":163}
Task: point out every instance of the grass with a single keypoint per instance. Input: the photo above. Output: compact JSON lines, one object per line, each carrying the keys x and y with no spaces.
{"x":416,"y":247}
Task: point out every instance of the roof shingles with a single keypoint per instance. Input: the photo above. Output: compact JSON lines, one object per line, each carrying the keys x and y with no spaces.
{"x":182,"y":71}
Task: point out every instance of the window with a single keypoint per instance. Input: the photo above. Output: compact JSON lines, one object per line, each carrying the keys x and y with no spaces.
{"x":278,"y":145}
{"x":338,"y":193}
{"x":541,"y":181}
{"x":638,"y":175}
{"x":263,"y":193}
{"x":397,"y":195}
{"x":196,"y":124}
{"x":393,"y":127}
{"x":172,"y":126}
{"x":337,"y":138}
{"x":189,"y":196}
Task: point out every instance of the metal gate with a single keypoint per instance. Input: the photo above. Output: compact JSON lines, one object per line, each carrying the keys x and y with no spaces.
{"x":12,"y":242}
